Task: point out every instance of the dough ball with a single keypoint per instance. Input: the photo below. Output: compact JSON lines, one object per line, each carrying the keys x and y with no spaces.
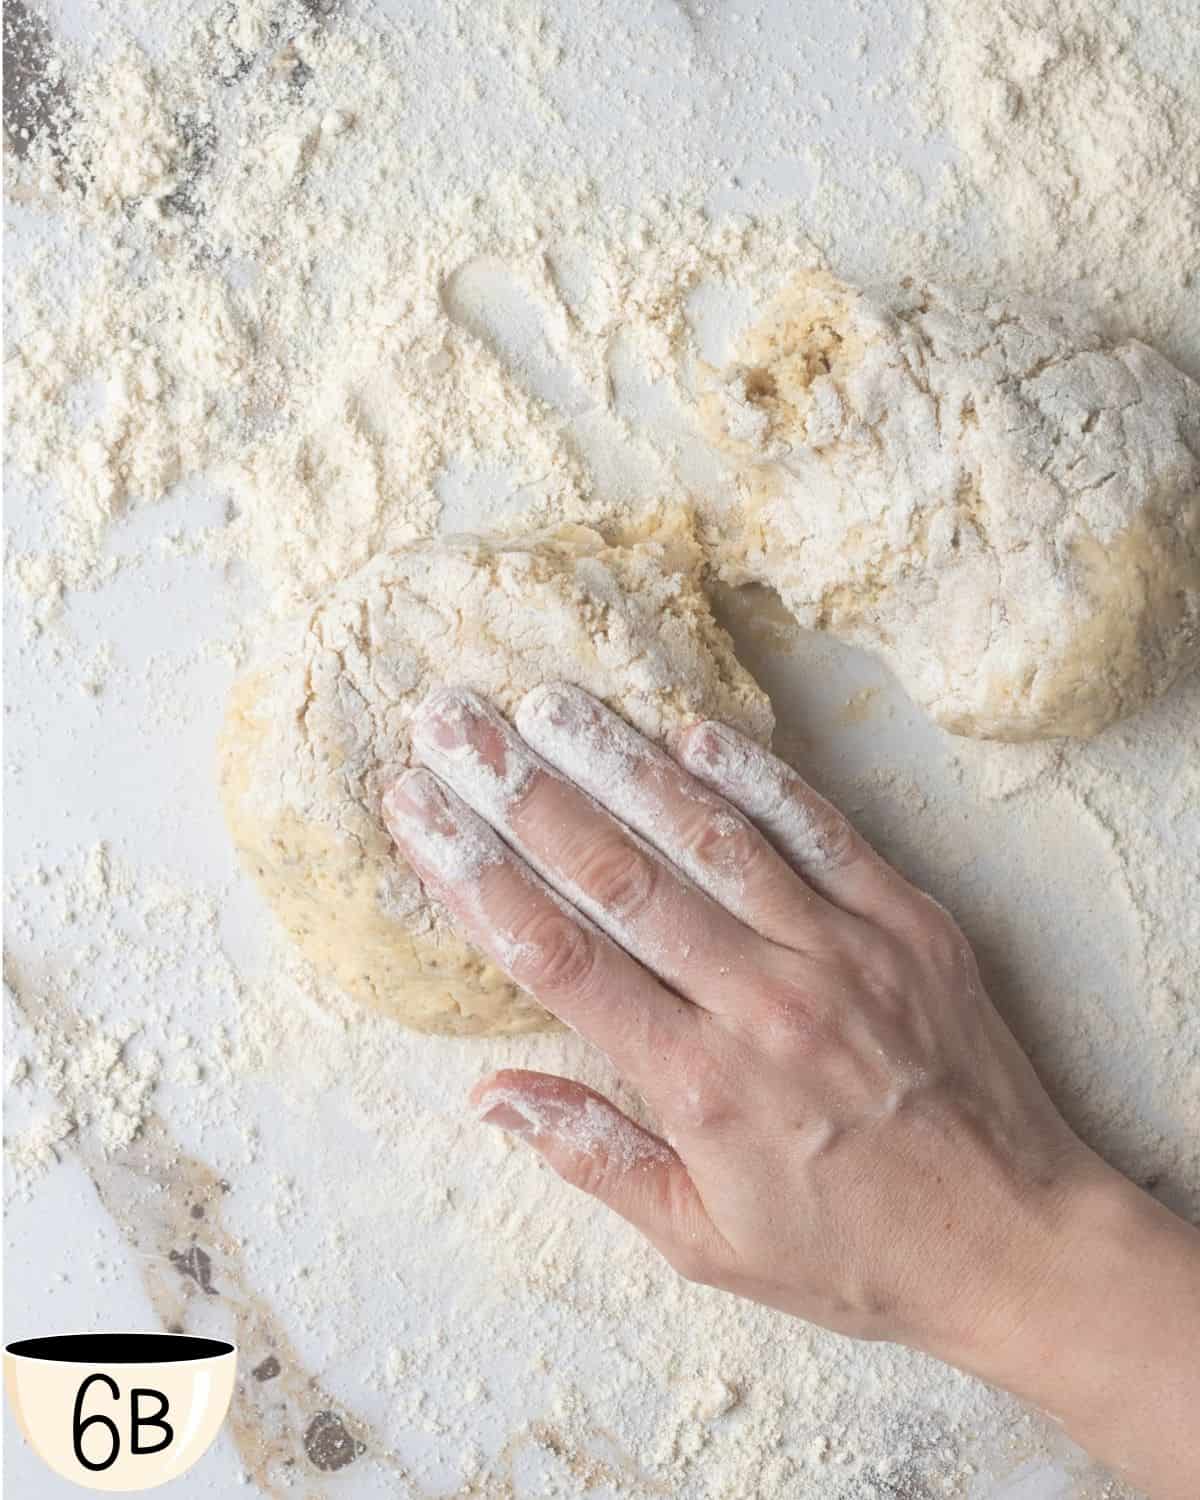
{"x":317,"y":731}
{"x":995,"y":496}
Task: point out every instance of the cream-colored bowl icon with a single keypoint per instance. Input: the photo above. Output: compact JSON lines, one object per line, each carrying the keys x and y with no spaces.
{"x":120,"y":1411}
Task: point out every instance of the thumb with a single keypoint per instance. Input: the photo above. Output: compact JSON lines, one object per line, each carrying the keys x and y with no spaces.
{"x":597,"y":1148}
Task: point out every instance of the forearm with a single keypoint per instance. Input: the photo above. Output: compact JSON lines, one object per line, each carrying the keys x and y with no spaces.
{"x":1110,"y":1346}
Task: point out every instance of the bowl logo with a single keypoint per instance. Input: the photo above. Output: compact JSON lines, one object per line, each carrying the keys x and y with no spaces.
{"x":120,"y":1411}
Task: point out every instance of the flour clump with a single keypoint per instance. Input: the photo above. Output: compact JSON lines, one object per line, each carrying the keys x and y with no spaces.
{"x":319,"y":729}
{"x":995,"y":496}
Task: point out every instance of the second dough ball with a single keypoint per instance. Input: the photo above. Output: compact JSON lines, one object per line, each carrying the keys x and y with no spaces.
{"x":1001,"y":500}
{"x":319,"y":729}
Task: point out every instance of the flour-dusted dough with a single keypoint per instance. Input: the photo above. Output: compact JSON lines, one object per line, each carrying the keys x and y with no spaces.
{"x":992,"y":494}
{"x":315,"y":734}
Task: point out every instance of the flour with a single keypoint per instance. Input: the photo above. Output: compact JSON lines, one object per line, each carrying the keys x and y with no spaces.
{"x":458,"y":848}
{"x":126,"y":139}
{"x":491,"y":780}
{"x":372,"y":285}
{"x":345,"y":372}
{"x":588,"y":1126}
{"x":640,"y":784}
{"x":996,"y":464}
{"x":117,"y":931}
{"x":764,"y":789}
{"x":469,"y":745}
{"x":100,"y":1084}
{"x":318,"y":731}
{"x":348,"y":298}
{"x":1080,"y":133}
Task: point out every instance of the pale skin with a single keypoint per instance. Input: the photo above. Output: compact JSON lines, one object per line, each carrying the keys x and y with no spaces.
{"x":847,"y":1130}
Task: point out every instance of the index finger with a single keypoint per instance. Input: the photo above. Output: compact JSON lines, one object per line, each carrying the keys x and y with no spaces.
{"x":565,"y":962}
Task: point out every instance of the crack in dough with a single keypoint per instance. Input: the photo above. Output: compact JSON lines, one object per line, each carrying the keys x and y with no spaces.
{"x":1000,"y":500}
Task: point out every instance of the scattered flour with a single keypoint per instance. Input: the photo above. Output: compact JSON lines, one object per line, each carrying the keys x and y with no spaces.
{"x":268,"y":284}
{"x":1079,"y":128}
{"x":319,"y":727}
{"x":97,"y":1057}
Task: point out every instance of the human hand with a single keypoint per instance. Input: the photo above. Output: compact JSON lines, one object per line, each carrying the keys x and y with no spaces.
{"x":848,"y":1131}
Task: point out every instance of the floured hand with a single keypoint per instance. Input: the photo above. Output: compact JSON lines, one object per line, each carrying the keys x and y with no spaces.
{"x":848,"y":1131}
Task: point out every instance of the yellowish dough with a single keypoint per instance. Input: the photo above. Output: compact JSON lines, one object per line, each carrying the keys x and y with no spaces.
{"x":995,"y":495}
{"x":316,"y":732}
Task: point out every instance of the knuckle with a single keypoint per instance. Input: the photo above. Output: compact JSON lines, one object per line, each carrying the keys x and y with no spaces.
{"x":889,"y":987}
{"x":559,"y":954}
{"x":934,"y":935}
{"x":950,"y":951}
{"x":837,"y":843}
{"x":793,"y":1013}
{"x":585,"y":1170}
{"x":792,"y":1021}
{"x":815,"y":833}
{"x":620,"y":877}
{"x":878,"y":974}
{"x":707,"y":1108}
{"x":705,"y":1101}
{"x":723,"y":842}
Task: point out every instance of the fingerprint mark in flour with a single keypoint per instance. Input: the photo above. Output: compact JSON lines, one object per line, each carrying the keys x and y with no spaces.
{"x":525,"y":335}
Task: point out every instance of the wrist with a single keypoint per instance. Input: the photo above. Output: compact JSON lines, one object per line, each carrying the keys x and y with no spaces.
{"x":1082,"y":1243}
{"x":1103,"y":1335}
{"x":1023,"y":1261}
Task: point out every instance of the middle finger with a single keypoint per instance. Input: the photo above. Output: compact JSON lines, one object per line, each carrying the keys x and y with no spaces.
{"x":708,"y":838}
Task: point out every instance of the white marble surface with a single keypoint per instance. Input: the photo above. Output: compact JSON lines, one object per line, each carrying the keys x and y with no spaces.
{"x":82,"y":769}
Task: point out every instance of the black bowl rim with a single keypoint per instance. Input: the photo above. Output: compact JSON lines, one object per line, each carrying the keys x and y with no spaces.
{"x":120,"y":1348}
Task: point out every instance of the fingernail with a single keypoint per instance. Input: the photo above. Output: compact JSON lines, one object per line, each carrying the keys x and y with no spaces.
{"x":505,"y":1114}
{"x":416,"y":801}
{"x":447,"y":717}
{"x":566,"y":711}
{"x":676,"y":740}
{"x":552,"y":702}
{"x":707,"y":745}
{"x":474,"y":750}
